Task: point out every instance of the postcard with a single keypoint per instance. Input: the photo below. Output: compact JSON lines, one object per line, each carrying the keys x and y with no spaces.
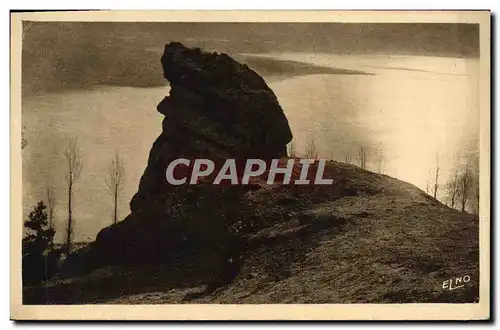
{"x":250,"y":165}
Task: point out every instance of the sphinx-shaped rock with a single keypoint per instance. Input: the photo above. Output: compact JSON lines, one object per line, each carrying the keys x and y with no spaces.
{"x":218,"y":109}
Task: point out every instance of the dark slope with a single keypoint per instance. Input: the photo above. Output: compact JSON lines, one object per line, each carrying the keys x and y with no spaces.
{"x":367,"y":239}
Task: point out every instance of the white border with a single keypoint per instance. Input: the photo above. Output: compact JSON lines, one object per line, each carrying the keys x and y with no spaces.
{"x":329,"y":311}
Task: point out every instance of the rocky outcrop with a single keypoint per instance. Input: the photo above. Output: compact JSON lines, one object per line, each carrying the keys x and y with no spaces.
{"x":218,"y":109}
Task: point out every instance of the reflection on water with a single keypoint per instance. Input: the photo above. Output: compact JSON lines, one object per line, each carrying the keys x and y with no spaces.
{"x":408,"y":110}
{"x":405,"y":117}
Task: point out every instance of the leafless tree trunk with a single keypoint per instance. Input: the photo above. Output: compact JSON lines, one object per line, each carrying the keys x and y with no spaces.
{"x":311,"y":151}
{"x":474,"y":194}
{"x":427,"y":184}
{"x":348,"y":157}
{"x":453,"y":189}
{"x":362,"y":157}
{"x":436,"y":178}
{"x":51,"y":206}
{"x":75,"y":163}
{"x":114,"y":182}
{"x":465,"y":181}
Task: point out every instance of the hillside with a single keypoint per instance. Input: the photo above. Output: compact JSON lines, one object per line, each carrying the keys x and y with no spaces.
{"x":373,"y":240}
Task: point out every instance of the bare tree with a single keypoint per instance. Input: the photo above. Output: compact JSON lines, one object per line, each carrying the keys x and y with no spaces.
{"x":114,"y":181}
{"x":51,"y":205}
{"x":428,"y":183}
{"x":452,"y":188}
{"x":362,"y":157}
{"x":474,"y":193}
{"x":464,"y":186}
{"x":380,"y":164}
{"x":311,"y":151}
{"x":348,"y":157}
{"x":75,"y":163}
{"x":436,"y":177}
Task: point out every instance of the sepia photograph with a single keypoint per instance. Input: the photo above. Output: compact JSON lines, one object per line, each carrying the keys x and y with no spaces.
{"x":204,"y":160}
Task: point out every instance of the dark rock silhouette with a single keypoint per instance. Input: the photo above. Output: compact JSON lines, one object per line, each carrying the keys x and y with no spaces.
{"x":216,"y":109}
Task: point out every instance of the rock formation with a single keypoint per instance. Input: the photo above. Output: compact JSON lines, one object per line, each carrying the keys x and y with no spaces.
{"x":217,"y":109}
